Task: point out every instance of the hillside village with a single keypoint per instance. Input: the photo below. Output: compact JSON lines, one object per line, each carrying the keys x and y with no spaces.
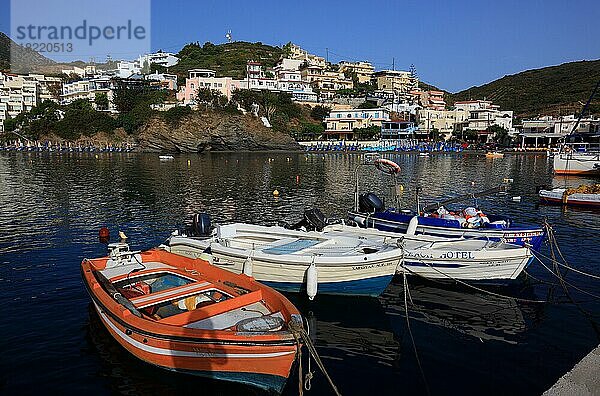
{"x":349,"y":100}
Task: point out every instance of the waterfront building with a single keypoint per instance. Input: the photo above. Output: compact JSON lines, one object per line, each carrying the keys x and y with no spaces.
{"x":548,"y":131}
{"x":444,"y":121}
{"x":399,"y":130}
{"x":18,"y":93}
{"x":341,"y":123}
{"x":481,"y":115}
{"x":126,"y":69}
{"x":363,"y":70}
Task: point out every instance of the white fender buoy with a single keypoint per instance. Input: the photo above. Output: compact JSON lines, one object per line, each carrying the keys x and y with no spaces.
{"x":206,"y":257}
{"x":248,"y":266}
{"x":412,"y":226}
{"x":311,"y":281}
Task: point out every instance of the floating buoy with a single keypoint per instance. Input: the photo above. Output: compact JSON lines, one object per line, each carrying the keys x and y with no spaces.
{"x":189,"y":162}
{"x":96,"y":156}
{"x":412,"y":226}
{"x":104,"y":233}
{"x":297,"y":179}
{"x":275,"y":193}
{"x":122,"y":235}
{"x":248,"y":266}
{"x":401,"y":187}
{"x":311,"y":281}
{"x":206,"y":255}
{"x":472,"y":183}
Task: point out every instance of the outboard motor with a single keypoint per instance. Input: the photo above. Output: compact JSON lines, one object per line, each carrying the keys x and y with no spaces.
{"x":201,"y":225}
{"x":312,"y":220}
{"x":370,"y":203}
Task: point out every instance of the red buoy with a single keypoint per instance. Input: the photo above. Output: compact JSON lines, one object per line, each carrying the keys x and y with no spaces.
{"x":103,"y":233}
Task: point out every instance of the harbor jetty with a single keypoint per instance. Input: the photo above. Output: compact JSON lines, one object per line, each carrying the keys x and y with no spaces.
{"x":582,"y":380}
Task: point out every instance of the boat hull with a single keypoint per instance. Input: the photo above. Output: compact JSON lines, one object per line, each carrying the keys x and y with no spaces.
{"x":178,"y":342}
{"x":243,"y":364}
{"x":577,"y":164}
{"x":557,"y":197}
{"x":519,"y":236}
{"x":360,"y":278}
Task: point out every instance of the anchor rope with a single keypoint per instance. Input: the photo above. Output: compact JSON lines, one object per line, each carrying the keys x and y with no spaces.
{"x":411,"y":334}
{"x":562,"y":280}
{"x":474,"y":287}
{"x":554,"y":244}
{"x":299,"y":333}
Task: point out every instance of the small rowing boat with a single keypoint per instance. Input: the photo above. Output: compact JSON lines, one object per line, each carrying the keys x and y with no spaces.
{"x":494,"y":154}
{"x":186,"y":315}
{"x":295,"y":261}
{"x":166,"y":157}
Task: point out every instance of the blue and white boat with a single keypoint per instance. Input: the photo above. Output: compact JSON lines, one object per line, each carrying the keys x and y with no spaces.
{"x":499,"y":228}
{"x":370,"y":212}
{"x":297,"y":261}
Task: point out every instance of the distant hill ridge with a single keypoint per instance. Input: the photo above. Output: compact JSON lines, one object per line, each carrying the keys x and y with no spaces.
{"x":22,"y":55}
{"x":552,"y":90}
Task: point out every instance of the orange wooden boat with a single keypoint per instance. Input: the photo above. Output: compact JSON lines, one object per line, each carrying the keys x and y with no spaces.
{"x":186,"y":315}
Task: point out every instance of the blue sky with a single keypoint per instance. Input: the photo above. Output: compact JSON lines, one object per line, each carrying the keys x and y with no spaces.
{"x":453,"y":44}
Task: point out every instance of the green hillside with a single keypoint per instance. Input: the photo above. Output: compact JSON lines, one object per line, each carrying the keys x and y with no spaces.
{"x":551,"y":90}
{"x":226,"y":59}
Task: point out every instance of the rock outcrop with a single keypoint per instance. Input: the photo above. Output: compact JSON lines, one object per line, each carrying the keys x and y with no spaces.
{"x":214,"y":131}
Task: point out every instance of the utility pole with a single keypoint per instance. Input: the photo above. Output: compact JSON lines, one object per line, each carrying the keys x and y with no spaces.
{"x":327,"y":55}
{"x":394,"y":64}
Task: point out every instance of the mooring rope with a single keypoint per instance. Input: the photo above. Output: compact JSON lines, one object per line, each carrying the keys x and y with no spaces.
{"x":562,"y":280}
{"x":411,"y":334}
{"x":299,"y":333}
{"x":474,"y":287}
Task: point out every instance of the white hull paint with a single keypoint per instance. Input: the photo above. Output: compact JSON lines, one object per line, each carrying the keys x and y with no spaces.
{"x":577,"y":163}
{"x":448,"y":259}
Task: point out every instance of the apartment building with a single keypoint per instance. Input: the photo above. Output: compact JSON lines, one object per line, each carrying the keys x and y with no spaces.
{"x":87,"y":89}
{"x":395,"y":81}
{"x":482,"y":114}
{"x":18,"y":93}
{"x":341,"y":123}
{"x":205,"y":78}
{"x":362,"y":70}
{"x":326,"y":82}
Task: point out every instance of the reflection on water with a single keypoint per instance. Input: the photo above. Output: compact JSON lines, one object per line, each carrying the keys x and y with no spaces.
{"x":483,"y":316}
{"x":51,"y":207}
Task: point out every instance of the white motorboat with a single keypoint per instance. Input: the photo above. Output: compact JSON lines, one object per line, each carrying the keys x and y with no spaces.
{"x":465,"y":259}
{"x":577,"y":159}
{"x":295,"y":261}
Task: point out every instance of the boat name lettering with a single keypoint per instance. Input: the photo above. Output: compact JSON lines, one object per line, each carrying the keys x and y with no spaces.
{"x":364,"y":267}
{"x":457,"y":255}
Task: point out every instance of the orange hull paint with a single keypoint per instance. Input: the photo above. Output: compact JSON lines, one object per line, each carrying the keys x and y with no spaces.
{"x":168,"y":344}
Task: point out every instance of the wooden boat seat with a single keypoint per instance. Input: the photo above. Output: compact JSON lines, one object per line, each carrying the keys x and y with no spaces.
{"x":212,"y":310}
{"x":170,"y":294}
{"x":121,"y":271}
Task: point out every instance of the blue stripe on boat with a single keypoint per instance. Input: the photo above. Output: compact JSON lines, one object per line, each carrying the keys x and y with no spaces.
{"x":363,"y":287}
{"x":270,"y":383}
{"x":419,"y":264}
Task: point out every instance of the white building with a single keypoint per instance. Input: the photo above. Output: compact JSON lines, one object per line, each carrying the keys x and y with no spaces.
{"x":21,"y":93}
{"x":341,"y":123}
{"x":87,"y":89}
{"x":481,"y":115}
{"x":126,"y":69}
{"x":546,"y":131}
{"x":167,"y":81}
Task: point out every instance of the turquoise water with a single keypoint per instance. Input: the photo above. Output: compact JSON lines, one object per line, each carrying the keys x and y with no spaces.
{"x":51,"y":207}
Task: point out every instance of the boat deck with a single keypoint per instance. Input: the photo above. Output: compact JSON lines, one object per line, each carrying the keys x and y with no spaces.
{"x":186,"y":298}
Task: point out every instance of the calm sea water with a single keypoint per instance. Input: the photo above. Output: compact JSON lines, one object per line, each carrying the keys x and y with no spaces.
{"x":468,"y":342}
